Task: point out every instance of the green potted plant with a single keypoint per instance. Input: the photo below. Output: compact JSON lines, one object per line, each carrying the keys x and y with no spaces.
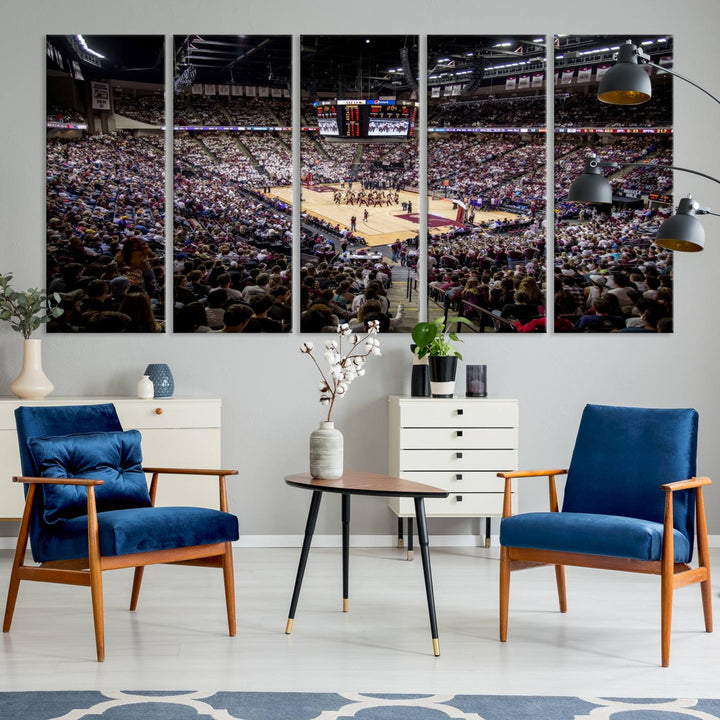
{"x":434,"y":340}
{"x":26,"y":311}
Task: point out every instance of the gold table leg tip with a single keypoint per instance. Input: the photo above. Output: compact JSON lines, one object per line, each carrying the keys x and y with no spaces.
{"x":410,"y":554}
{"x":288,"y":627}
{"x":436,"y":647}
{"x":346,"y":605}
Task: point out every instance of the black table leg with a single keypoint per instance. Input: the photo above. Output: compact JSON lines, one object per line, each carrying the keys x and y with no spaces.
{"x":425,"y":553}
{"x":400,"y":532}
{"x":309,"y":530}
{"x":410,"y":551}
{"x":346,"y":548}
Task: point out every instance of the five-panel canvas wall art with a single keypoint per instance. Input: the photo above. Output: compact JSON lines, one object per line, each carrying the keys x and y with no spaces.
{"x":425,"y":167}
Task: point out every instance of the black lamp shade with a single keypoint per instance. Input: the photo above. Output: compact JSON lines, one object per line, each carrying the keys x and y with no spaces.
{"x":682,"y":232}
{"x":591,"y":186}
{"x":626,"y":83}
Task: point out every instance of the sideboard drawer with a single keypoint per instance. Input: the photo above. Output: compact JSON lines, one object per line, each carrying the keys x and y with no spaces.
{"x":459,"y":412}
{"x":454,"y":505}
{"x":459,"y":437}
{"x":161,"y":413}
{"x":458,"y":460}
{"x":458,"y":482}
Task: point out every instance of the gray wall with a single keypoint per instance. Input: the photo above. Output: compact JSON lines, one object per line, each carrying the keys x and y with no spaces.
{"x":267,"y":387}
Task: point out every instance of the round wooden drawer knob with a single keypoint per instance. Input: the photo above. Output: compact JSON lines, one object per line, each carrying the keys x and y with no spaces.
{"x":158,"y":411}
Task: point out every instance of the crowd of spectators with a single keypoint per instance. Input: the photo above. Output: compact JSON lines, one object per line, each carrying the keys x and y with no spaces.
{"x":610,"y":277}
{"x":148,"y":109}
{"x":64,"y":114}
{"x":528,"y":110}
{"x":105,"y":233}
{"x":232,"y":245}
{"x":576,"y":110}
{"x":226,"y":110}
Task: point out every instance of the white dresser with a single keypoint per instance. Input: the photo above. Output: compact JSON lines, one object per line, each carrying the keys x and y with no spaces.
{"x":176,"y":432}
{"x":458,"y":444}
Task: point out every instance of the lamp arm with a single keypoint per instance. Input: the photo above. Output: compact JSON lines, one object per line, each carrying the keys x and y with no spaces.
{"x":682,"y":77}
{"x":614,"y":164}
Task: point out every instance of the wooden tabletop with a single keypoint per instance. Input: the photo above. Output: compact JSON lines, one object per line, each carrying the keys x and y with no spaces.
{"x":363,"y":483}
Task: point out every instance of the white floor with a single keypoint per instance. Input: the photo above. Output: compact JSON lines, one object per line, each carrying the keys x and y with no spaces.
{"x":608,"y":644}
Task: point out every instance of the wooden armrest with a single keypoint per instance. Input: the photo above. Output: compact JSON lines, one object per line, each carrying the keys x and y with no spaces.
{"x":186,"y":471}
{"x":686,"y":484}
{"x":549,"y":474}
{"x":57,"y":481}
{"x":530,"y":473}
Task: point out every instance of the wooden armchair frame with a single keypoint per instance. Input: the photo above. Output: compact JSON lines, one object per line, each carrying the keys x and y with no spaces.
{"x":88,"y":571}
{"x":672,"y":575}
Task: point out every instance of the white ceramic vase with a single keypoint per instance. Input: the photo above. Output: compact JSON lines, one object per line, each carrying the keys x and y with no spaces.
{"x":326,"y":452}
{"x":145,"y":388}
{"x":32,"y":383}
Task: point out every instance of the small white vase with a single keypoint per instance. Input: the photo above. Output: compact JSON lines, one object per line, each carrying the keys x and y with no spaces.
{"x":32,"y":383}
{"x":145,"y":388}
{"x":326,"y":452}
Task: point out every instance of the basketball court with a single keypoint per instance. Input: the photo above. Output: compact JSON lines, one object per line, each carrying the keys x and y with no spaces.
{"x":385,"y":223}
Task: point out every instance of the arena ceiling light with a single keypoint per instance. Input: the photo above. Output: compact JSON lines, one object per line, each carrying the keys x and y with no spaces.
{"x":626,"y":83}
{"x":680,"y":232}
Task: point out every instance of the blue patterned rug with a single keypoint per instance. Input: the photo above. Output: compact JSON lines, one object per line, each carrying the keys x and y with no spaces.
{"x":188,"y":705}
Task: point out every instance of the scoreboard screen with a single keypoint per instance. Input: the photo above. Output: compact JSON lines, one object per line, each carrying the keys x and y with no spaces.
{"x":356,"y":119}
{"x":327,"y":120}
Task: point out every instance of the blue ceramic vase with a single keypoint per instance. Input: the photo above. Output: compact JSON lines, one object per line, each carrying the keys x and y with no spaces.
{"x":162,"y":379}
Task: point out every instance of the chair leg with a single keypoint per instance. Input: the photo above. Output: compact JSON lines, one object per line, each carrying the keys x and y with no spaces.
{"x":229,"y":578}
{"x":704,"y":559}
{"x":137,"y":581}
{"x":560,"y":580}
{"x":11,"y":598}
{"x":18,"y":560}
{"x":96,"y":591}
{"x":504,"y":592}
{"x":666,"y":599}
{"x":96,"y":586}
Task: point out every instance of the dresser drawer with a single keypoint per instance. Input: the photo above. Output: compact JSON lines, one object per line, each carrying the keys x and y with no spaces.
{"x":458,"y":413}
{"x":459,"y":437}
{"x":458,"y":460}
{"x":454,"y":505}
{"x":458,"y":482}
{"x":161,"y":413}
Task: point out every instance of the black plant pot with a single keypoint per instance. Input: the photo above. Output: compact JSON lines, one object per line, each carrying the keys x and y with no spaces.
{"x":442,"y":375}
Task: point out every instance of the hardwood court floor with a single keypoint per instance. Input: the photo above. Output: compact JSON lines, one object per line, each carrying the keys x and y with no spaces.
{"x":385,"y":224}
{"x":607,"y":644}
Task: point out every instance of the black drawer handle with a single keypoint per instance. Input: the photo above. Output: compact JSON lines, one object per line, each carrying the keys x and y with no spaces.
{"x":460,"y":411}
{"x":458,"y":456}
{"x":458,"y":476}
{"x":459,"y":433}
{"x":458,"y":498}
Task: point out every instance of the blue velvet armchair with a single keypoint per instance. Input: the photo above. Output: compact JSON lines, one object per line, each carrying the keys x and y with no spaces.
{"x":88,"y":509}
{"x":632,"y":502}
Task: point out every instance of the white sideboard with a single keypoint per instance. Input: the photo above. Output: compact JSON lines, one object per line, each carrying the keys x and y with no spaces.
{"x":180,"y":432}
{"x":458,"y":444}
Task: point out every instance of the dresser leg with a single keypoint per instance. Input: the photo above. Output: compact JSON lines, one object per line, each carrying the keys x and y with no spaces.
{"x":400,"y":533}
{"x":487,"y":532}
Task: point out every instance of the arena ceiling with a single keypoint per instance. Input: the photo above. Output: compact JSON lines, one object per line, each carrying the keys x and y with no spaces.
{"x":339,"y":64}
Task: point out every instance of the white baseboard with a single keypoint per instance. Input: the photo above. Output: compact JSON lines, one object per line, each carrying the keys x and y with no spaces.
{"x":335,"y":541}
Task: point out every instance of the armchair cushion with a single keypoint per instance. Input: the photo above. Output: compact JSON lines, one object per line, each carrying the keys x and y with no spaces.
{"x":114,"y":457}
{"x":592,"y":534}
{"x":142,"y":529}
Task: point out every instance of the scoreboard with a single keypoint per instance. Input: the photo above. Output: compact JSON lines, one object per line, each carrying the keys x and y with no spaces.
{"x":356,"y":119}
